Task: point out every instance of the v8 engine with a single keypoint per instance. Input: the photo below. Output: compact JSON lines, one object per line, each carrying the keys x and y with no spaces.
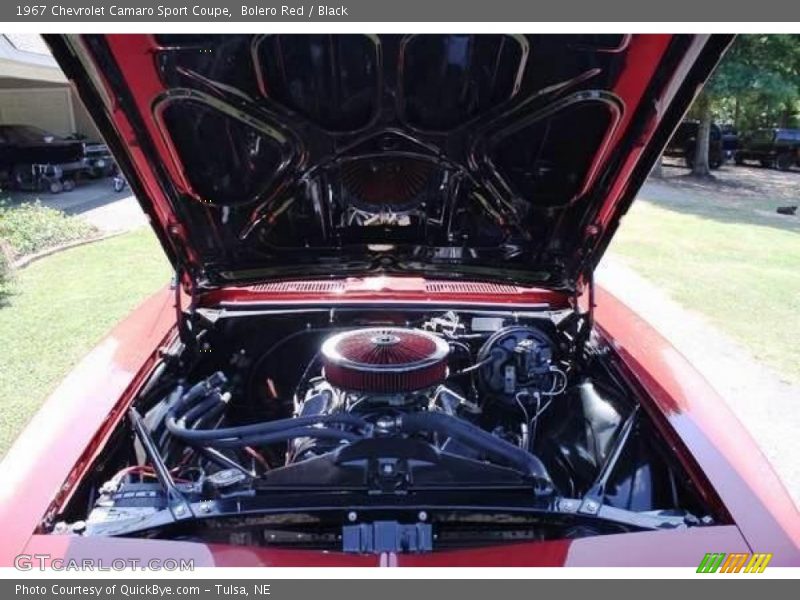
{"x":407,"y":407}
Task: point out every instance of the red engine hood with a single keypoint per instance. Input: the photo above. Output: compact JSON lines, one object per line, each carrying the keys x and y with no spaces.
{"x":660,"y":548}
{"x":486,"y":157}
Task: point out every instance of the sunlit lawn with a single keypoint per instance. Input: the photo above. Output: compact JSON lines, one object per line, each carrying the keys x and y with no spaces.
{"x":743,"y":276}
{"x":63,"y":305}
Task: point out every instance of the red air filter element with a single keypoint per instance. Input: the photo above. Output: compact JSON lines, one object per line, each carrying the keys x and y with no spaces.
{"x":387,"y":360}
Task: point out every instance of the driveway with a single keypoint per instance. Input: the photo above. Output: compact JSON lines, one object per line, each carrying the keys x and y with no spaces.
{"x":94,"y":200}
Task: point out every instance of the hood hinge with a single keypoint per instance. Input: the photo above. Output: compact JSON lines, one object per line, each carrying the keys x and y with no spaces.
{"x":592,"y":234}
{"x":585,"y":320}
{"x":587,"y":317}
{"x":184,"y":318}
{"x":590,"y":309}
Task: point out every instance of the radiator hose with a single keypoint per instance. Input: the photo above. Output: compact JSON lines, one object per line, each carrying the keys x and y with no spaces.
{"x":196,"y":408}
{"x":475,"y":437}
{"x":186,"y":416}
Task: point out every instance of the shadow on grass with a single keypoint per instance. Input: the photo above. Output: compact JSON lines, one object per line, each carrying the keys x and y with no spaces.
{"x":735,"y":194}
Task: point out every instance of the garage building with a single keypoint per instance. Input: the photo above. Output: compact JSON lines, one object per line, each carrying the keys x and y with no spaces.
{"x":34,"y":91}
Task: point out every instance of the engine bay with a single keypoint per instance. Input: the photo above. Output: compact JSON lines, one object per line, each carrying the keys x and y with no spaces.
{"x":392,"y":429}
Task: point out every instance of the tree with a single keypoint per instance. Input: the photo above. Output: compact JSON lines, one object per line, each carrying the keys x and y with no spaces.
{"x":757,"y":84}
{"x":700,"y":167}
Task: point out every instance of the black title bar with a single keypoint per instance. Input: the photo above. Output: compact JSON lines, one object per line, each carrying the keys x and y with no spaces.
{"x":460,"y":11}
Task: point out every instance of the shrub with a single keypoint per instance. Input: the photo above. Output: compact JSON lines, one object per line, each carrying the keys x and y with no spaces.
{"x":29,"y":228}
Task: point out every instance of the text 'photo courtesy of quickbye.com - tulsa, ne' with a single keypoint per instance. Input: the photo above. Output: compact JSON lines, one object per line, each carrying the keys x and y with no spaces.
{"x":296,"y":298}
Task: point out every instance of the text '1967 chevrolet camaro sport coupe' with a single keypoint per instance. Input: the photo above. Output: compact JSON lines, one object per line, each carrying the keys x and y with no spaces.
{"x":384,"y":345}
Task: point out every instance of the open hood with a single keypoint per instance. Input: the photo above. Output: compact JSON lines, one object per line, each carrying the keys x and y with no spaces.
{"x":483,"y":157}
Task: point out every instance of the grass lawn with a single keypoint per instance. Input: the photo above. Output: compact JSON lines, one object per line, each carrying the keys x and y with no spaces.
{"x":744,"y":277}
{"x":62,"y":306}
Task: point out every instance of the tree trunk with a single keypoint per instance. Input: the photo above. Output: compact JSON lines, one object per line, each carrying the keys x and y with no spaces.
{"x":786,"y":114}
{"x":700,"y":167}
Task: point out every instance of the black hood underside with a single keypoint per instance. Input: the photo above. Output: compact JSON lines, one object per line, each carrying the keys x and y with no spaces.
{"x":490,"y":157}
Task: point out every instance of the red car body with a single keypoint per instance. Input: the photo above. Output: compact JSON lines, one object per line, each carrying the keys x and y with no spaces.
{"x":62,"y":442}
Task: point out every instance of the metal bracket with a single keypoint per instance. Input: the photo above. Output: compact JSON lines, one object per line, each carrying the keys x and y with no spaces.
{"x":593,"y":499}
{"x":176,"y":502}
{"x":387,"y":536}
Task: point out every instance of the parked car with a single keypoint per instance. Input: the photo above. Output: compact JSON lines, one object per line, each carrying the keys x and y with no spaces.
{"x":730,"y":141}
{"x":683,"y":144}
{"x":97,"y":158}
{"x":778,"y":148}
{"x":385,"y":345}
{"x":34,"y":159}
